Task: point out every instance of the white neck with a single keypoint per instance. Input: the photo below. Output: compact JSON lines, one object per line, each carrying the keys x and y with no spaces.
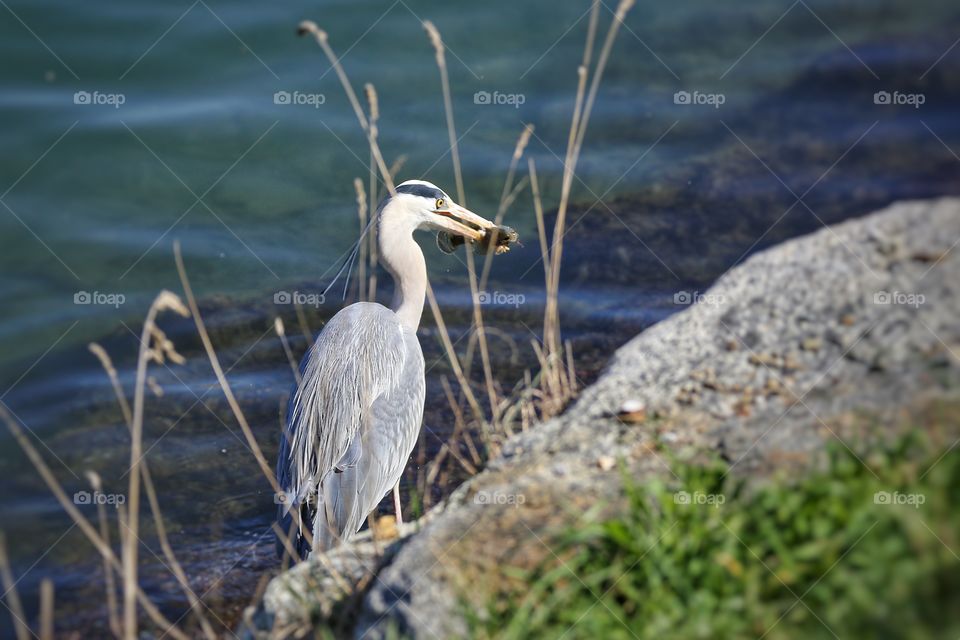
{"x":403,"y":259}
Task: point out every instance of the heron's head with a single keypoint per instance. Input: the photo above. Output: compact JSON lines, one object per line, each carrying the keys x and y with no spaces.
{"x":427,"y":207}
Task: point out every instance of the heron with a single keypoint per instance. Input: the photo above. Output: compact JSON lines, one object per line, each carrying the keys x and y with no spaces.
{"x":355,"y":415}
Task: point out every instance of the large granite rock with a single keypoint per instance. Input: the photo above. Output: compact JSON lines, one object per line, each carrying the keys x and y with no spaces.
{"x":763,"y":369}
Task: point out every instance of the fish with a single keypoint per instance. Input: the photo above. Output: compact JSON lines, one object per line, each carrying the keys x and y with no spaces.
{"x":500,"y":238}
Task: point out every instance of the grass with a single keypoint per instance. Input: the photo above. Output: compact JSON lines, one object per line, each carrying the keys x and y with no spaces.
{"x":812,"y":558}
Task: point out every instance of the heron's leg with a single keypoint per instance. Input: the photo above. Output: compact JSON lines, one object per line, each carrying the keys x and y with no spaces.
{"x":396,"y":503}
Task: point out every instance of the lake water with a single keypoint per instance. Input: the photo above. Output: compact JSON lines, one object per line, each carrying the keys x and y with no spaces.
{"x":127,"y":127}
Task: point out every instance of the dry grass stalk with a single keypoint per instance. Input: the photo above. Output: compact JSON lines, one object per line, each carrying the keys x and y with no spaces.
{"x":154,"y":502}
{"x":82,"y":523}
{"x":438,"y":47}
{"x":46,"y":609}
{"x":505,"y":196}
{"x":164,"y":301}
{"x":113,"y":612}
{"x":538,"y":211}
{"x":11,"y":595}
{"x":460,"y":426}
{"x":323,"y":40}
{"x":452,"y":356}
{"x":581,"y":117}
{"x":304,"y":325}
{"x":228,"y":391}
{"x":362,"y":216}
{"x":282,"y":334}
{"x":289,"y":553}
{"x":374,"y":105}
{"x":221,"y":377}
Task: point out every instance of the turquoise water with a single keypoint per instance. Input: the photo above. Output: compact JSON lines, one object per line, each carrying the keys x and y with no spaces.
{"x":187,"y":142}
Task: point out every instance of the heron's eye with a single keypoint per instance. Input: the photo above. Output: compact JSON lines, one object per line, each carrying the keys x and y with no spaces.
{"x":440,"y":203}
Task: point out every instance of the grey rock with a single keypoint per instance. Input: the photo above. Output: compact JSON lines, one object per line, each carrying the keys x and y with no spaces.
{"x":761,"y":369}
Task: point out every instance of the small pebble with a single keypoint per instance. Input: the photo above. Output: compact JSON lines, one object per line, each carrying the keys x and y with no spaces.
{"x":632,"y":412}
{"x":606,"y":463}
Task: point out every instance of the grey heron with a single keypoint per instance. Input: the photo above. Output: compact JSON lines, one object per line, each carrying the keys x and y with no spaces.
{"x":355,"y":415}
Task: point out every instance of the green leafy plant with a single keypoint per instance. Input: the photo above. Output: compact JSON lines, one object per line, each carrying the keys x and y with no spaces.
{"x":848,"y":551}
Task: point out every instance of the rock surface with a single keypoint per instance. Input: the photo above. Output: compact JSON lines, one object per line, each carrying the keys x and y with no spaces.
{"x":763,"y":369}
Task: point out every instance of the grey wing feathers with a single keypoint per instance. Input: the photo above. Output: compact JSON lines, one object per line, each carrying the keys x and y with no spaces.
{"x":349,"y":495}
{"x":357,"y":358}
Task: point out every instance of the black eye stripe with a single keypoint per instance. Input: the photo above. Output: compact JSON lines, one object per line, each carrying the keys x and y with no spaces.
{"x":422,"y":190}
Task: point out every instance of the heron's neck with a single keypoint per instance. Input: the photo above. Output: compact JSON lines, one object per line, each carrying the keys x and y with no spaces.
{"x":403,"y":259}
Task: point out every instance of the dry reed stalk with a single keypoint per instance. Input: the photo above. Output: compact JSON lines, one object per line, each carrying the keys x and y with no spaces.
{"x":228,"y":391}
{"x":528,"y":416}
{"x":289,"y":553}
{"x":251,"y":609}
{"x":164,"y":301}
{"x":196,"y":605}
{"x":323,"y":40}
{"x":218,"y":370}
{"x":581,"y":117}
{"x":481,"y":338}
{"x":460,"y":425}
{"x":11,"y":595}
{"x":362,"y":216}
{"x":397,"y":165}
{"x":82,"y":523}
{"x":111,"y":371}
{"x":620,"y":14}
{"x":304,"y":326}
{"x":538,"y":211}
{"x":46,"y":609}
{"x":282,"y":334}
{"x":552,"y":384}
{"x":438,"y":47}
{"x":452,"y":355}
{"x":571,"y":372}
{"x":374,"y":104}
{"x":174,"y":565}
{"x":113,"y":616}
{"x":505,"y":201}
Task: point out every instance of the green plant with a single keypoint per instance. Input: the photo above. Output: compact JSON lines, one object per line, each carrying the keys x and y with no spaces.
{"x":822,"y":556}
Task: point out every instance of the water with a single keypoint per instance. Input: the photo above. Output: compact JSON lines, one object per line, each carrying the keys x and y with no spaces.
{"x":260,"y":195}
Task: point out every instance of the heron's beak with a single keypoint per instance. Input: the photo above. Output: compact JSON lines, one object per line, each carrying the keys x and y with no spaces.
{"x":463,"y":222}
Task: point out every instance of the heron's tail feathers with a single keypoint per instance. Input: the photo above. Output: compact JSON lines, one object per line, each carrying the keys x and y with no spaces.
{"x":339,"y":515}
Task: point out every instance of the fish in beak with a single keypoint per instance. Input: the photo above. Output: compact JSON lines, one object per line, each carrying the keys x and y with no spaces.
{"x":459,"y":224}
